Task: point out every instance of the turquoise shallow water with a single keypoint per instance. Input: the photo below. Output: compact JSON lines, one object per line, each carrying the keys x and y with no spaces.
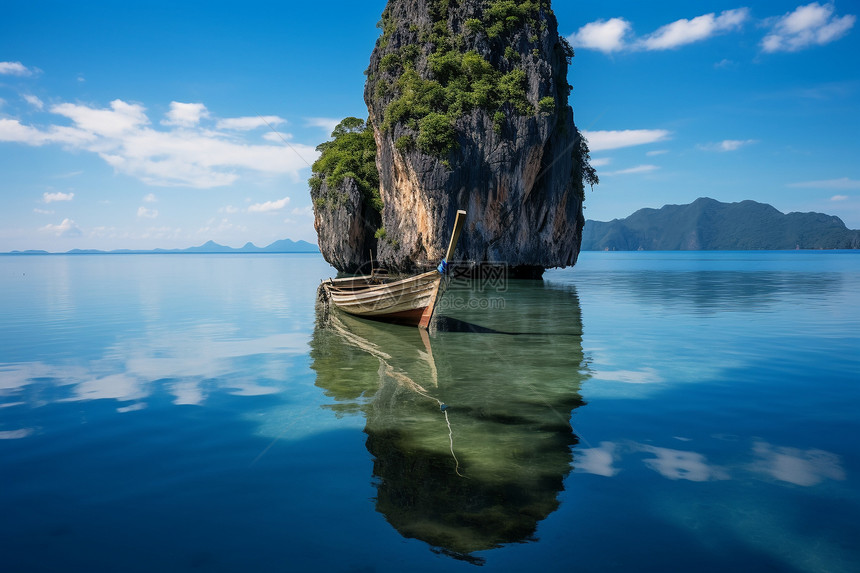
{"x":641,"y":411}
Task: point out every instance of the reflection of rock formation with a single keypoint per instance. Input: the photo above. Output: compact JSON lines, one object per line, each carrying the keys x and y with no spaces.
{"x":470,"y":431}
{"x":705,"y":291}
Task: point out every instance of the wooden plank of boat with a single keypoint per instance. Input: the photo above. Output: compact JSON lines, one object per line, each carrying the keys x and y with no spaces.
{"x":379,"y":300}
{"x":410,"y":300}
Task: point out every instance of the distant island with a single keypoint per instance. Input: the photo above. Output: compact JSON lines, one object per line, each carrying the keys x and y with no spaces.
{"x":282,"y":246}
{"x":709,"y":225}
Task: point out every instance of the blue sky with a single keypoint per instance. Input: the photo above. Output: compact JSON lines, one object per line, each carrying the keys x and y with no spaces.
{"x":143,"y":125}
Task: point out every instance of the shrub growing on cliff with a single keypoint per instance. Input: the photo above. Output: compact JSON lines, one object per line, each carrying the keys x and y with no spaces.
{"x":547,"y":104}
{"x":404,"y":143}
{"x":350,"y":153}
{"x":589,"y":173}
{"x":505,"y":15}
{"x":458,"y":80}
{"x":512,"y":89}
{"x":436,"y":135}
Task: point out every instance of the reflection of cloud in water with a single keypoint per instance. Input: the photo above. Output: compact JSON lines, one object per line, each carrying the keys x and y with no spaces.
{"x":188,"y":364}
{"x":800,"y":467}
{"x":707,"y":291}
{"x":131,"y":408}
{"x":13,"y":377}
{"x":15,"y":434}
{"x":187,"y":392}
{"x":117,"y":386}
{"x":643,"y":376}
{"x":598,"y":461}
{"x":679,"y":464}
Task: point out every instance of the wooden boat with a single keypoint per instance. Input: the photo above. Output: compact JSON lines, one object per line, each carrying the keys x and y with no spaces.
{"x":377,"y":296}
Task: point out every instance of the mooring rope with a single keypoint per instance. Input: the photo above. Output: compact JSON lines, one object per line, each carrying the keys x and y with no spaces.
{"x":418,"y":389}
{"x":405,"y":380}
{"x":451,"y":441}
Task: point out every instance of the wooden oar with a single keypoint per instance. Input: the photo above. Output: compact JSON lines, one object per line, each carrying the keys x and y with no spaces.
{"x":452,"y":246}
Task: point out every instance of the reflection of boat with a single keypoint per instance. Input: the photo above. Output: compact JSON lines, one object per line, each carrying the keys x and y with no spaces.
{"x":469,"y":429}
{"x":407,"y":300}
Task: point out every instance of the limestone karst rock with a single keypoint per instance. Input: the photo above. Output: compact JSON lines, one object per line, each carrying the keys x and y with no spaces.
{"x":468,"y":105}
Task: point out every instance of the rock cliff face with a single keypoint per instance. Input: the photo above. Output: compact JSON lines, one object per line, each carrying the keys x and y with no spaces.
{"x":468,"y":103}
{"x":345,"y":194}
{"x":345,"y":224}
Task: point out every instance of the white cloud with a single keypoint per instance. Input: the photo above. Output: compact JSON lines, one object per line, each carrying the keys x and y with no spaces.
{"x":67,"y":228}
{"x":633,"y":171}
{"x":654,"y":152}
{"x":727,"y":145}
{"x":604,"y":35}
{"x":683,"y":32}
{"x":14,"y":131}
{"x":603,"y":140}
{"x":145,"y":213}
{"x":121,"y":119}
{"x":249,"y":123}
{"x":188,"y":155}
{"x":14,"y":69}
{"x":326,"y":123}
{"x":229,"y":209}
{"x":42,"y":211}
{"x":268,"y":206}
{"x":839,"y":198}
{"x":811,"y":25}
{"x":58,"y":196}
{"x":601,"y":162}
{"x":277,"y":137}
{"x":615,"y":34}
{"x":34,"y":101}
{"x":842,"y":183}
{"x":185,"y":114}
{"x":151,"y":198}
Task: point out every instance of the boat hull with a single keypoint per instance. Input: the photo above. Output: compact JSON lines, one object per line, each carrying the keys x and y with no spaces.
{"x":403,"y":301}
{"x":410,"y":300}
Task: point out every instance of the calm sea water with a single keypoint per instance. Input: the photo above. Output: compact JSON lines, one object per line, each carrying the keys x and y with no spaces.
{"x":642,"y":411}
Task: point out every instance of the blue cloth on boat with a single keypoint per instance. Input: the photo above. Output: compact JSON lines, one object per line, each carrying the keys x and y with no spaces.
{"x":443,"y":267}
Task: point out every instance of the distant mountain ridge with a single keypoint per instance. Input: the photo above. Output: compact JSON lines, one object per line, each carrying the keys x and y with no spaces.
{"x":707,"y":224}
{"x":282,"y":246}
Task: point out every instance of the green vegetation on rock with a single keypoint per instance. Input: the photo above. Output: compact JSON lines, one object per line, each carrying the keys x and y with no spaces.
{"x":589,"y":174}
{"x":460,"y":80}
{"x":707,"y":224}
{"x":350,"y":153}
